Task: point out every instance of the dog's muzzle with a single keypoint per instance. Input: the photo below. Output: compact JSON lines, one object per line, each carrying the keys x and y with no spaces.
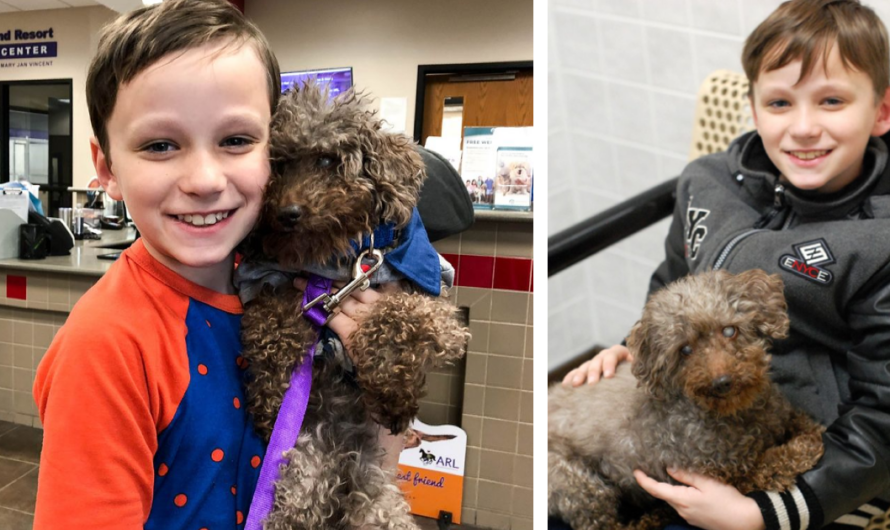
{"x":289,"y":216}
{"x":722,"y":385}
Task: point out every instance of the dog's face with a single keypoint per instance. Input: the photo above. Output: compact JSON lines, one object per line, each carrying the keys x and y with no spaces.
{"x":519,"y":173}
{"x":336,"y":175}
{"x":705,"y":337}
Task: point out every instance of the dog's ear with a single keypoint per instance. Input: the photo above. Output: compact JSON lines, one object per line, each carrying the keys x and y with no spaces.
{"x":762,"y":296}
{"x":648,"y":366}
{"x":397,"y":171}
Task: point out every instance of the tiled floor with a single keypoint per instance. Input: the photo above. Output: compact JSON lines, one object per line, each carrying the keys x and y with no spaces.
{"x":19,"y":456}
{"x":19,"y":459}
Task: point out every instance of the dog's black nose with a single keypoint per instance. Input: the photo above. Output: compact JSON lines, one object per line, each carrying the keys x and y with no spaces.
{"x":289,"y":216}
{"x":722,"y":385}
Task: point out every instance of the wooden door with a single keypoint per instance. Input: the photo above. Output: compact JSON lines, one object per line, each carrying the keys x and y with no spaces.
{"x":487,"y":103}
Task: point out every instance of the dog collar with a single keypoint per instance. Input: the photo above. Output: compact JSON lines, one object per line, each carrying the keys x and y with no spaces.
{"x":385,"y":235}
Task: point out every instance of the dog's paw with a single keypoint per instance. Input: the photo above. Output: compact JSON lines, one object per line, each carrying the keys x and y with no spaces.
{"x":395,"y":344}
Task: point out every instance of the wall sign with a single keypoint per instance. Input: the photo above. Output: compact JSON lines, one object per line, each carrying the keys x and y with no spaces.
{"x":27,"y":48}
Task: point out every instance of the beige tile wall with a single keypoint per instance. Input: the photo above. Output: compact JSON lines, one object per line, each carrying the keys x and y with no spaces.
{"x":26,"y":329}
{"x":490,"y":394}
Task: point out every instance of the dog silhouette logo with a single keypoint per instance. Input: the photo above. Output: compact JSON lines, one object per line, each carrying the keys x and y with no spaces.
{"x":809,"y":263}
{"x":427,"y":457}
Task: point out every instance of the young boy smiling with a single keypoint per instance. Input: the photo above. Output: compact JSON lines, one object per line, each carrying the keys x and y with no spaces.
{"x":806,"y":196}
{"x":140,"y":394}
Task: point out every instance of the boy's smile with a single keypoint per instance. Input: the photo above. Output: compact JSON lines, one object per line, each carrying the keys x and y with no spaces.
{"x":815,"y":129}
{"x":189,"y":155}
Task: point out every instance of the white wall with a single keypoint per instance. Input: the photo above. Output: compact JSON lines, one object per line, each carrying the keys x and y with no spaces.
{"x":623,"y":75}
{"x":75,"y":30}
{"x":385,"y":40}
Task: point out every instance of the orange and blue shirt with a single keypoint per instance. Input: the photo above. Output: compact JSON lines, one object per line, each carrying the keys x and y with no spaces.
{"x":142,"y":404}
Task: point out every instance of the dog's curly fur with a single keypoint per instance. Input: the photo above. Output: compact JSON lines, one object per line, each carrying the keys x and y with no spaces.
{"x":699,"y":398}
{"x":332,"y":161}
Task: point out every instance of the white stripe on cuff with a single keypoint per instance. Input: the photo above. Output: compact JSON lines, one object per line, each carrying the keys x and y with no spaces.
{"x":781,"y":511}
{"x":803,"y":511}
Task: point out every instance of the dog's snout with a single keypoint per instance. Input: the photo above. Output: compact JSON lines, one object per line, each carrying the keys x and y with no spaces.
{"x":289,"y":216}
{"x":722,"y":385}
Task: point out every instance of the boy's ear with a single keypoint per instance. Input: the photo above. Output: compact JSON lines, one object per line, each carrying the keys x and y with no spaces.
{"x":882,"y":123}
{"x":103,"y":172}
{"x":752,"y":107}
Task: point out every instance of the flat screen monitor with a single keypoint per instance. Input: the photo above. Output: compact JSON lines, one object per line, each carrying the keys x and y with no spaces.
{"x":338,"y":79}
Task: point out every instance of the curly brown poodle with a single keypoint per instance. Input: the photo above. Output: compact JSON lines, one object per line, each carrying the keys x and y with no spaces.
{"x":336,"y":175}
{"x":696,"y":397}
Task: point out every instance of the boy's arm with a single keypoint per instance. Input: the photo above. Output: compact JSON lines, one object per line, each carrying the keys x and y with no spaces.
{"x":99,"y":436}
{"x":856,"y":465}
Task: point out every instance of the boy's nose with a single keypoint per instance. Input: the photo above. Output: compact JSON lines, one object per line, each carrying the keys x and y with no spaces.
{"x":805,"y":125}
{"x":204,"y":176}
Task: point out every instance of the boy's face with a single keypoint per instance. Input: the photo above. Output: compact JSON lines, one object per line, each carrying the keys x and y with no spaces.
{"x":188,"y":139}
{"x":815,"y":131}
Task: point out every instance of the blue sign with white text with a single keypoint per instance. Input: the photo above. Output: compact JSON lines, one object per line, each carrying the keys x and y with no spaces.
{"x":28,"y":51}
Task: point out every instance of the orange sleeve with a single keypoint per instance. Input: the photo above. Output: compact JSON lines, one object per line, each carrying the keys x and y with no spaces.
{"x":99,"y":436}
{"x":109,"y":383}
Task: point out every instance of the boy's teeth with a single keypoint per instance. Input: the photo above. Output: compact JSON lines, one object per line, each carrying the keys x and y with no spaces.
{"x":201,"y":220}
{"x":808,"y":155}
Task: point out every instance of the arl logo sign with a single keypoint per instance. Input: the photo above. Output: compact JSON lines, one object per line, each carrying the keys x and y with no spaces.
{"x":695,"y":230}
{"x":811,"y":257}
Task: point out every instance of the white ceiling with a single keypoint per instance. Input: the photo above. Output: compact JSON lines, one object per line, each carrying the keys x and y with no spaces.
{"x":12,"y":6}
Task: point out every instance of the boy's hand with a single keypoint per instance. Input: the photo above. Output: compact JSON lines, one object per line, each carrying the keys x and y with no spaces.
{"x":603,"y":364}
{"x":343,"y":323}
{"x":705,"y":502}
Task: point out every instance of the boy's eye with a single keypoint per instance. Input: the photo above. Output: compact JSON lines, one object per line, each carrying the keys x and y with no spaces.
{"x":236,"y":141}
{"x":778,"y":104}
{"x":833,"y":101}
{"x":159,"y":147}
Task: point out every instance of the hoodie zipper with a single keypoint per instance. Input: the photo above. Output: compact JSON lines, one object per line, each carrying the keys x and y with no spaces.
{"x":778,"y":206}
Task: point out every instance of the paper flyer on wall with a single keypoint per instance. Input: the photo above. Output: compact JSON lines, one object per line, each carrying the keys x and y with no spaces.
{"x":497,"y":167}
{"x":431,"y":469}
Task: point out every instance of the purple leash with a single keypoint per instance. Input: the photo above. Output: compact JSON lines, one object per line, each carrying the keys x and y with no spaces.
{"x":291,"y":413}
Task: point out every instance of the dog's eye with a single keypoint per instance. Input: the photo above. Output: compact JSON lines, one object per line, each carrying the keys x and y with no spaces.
{"x":729,"y":332}
{"x":686,"y":350}
{"x":325,"y":161}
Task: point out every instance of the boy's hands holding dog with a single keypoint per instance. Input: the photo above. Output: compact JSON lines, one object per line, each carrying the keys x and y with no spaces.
{"x":705,"y":502}
{"x":603,"y":364}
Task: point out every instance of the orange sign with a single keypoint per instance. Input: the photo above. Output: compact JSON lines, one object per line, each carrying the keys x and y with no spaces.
{"x":431,"y":469}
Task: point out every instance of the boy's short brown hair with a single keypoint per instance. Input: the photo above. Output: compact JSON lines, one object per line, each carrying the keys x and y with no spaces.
{"x":138,"y":39}
{"x":808,"y":29}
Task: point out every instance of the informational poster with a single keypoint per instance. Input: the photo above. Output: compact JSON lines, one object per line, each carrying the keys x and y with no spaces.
{"x":431,"y":469}
{"x":497,"y":167}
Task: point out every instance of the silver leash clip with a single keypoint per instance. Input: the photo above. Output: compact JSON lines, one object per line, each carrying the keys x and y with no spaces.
{"x":361,"y":279}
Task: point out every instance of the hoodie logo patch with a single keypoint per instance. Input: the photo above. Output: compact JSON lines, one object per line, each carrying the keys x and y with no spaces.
{"x":810,"y":261}
{"x":695,"y":231}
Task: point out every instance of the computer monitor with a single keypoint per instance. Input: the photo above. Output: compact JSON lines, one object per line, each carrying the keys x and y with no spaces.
{"x":338,"y":79}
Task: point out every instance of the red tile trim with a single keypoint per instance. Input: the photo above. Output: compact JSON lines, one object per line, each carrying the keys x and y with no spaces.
{"x":531,"y":287}
{"x":16,"y":287}
{"x":475,"y":271}
{"x":514,"y":274}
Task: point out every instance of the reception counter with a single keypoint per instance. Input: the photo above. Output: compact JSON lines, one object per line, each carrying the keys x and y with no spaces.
{"x":83,"y":259}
